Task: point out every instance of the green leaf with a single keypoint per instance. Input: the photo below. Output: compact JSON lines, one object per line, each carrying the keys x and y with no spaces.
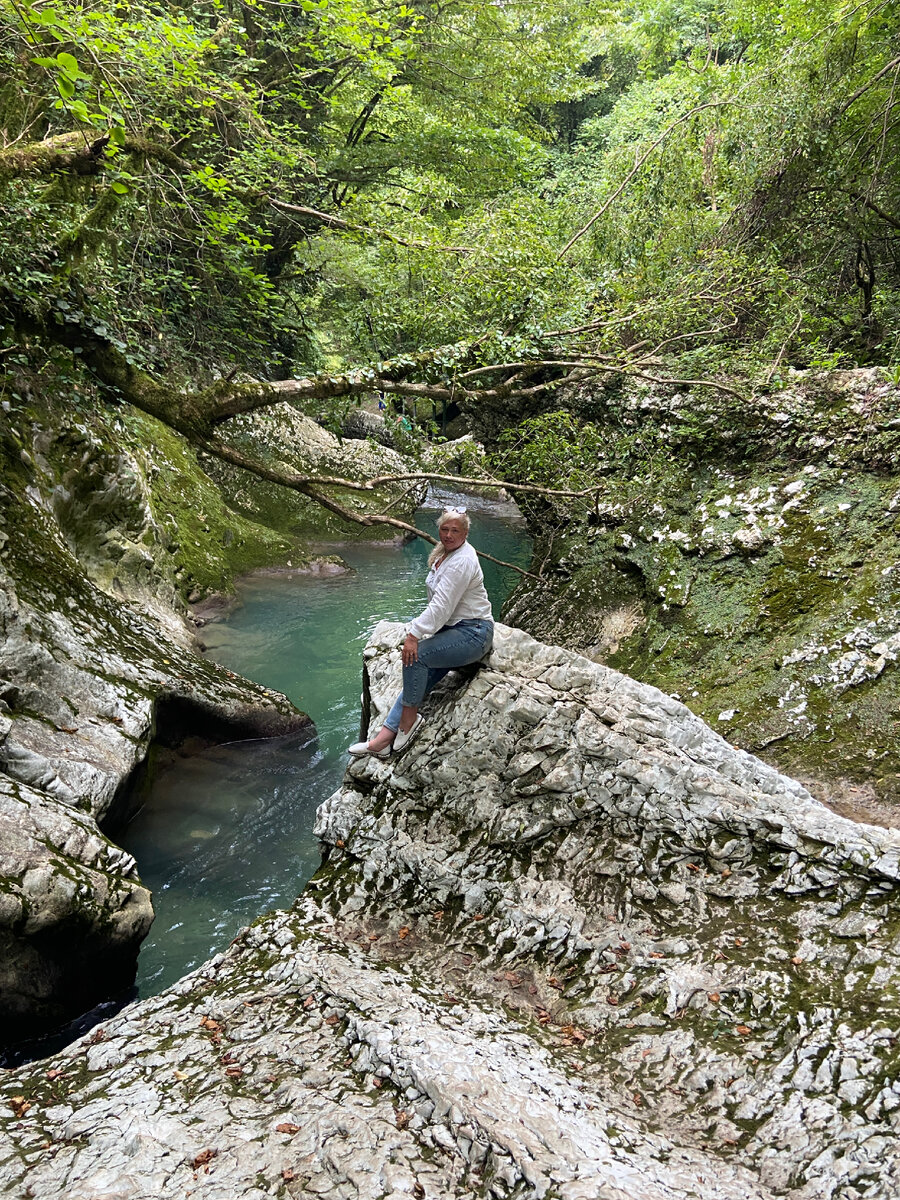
{"x":121,"y":189}
{"x":117,"y":135}
{"x":48,"y":16}
{"x":68,"y":64}
{"x":66,"y":87}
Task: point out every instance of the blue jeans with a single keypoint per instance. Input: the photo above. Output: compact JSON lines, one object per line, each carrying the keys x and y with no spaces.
{"x":452,"y":646}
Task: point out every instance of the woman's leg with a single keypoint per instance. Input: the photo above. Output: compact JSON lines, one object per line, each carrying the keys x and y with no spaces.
{"x":392,"y":720}
{"x":453,"y":646}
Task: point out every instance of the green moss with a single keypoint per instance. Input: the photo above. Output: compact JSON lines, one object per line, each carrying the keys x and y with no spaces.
{"x":769,"y":613}
{"x":209,"y":543}
{"x":141,"y":510}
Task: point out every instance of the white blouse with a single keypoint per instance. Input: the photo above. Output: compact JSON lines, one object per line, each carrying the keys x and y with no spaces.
{"x":455,"y":587}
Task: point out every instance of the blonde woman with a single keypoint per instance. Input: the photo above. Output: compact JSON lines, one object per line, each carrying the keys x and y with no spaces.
{"x":455,"y":628}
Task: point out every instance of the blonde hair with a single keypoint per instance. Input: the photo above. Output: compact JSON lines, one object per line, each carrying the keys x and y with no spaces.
{"x":449,"y":514}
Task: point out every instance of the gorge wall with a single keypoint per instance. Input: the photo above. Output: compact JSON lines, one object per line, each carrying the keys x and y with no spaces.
{"x":744,"y":558}
{"x":573,"y":942}
{"x":109,"y":526}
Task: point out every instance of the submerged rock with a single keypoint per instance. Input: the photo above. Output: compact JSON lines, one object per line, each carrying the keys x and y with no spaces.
{"x":571,"y":943}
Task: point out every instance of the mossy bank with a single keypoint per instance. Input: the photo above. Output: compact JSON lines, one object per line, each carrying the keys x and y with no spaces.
{"x":746,"y":561}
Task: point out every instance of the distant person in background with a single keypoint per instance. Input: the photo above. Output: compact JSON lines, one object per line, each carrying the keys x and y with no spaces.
{"x":455,"y":628}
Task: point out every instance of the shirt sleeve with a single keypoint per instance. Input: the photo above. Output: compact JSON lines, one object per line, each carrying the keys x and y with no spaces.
{"x":453,"y":580}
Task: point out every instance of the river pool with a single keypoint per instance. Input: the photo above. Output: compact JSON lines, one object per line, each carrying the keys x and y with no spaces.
{"x":226,"y":834}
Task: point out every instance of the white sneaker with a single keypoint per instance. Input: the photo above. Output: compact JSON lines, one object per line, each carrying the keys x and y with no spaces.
{"x":361,"y":749}
{"x":402,"y":740}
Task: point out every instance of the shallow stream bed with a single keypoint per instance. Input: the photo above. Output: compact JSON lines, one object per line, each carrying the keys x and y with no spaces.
{"x":226,"y":834}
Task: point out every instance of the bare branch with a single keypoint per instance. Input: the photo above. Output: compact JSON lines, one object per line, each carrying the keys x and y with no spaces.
{"x":866,"y":202}
{"x":340,"y":223}
{"x":305,"y":486}
{"x":861,"y":91}
{"x":480,"y":481}
{"x":634,"y":170}
{"x":593,"y":365}
{"x":681,"y":337}
{"x":787,"y":341}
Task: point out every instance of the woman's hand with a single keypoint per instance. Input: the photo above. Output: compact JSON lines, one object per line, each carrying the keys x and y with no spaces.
{"x":410,"y":650}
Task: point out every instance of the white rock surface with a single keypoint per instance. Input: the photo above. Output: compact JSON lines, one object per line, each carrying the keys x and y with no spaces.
{"x":291,"y":1066}
{"x":86,"y":681}
{"x":571,"y":943}
{"x":715,"y":937}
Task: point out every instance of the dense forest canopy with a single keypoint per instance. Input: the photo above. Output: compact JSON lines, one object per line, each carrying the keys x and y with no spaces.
{"x":212,"y":207}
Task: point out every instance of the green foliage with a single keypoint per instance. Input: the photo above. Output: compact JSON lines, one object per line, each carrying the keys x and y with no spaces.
{"x":732,"y":169}
{"x":552,"y":450}
{"x":745,"y":165}
{"x":406,"y":116}
{"x":789,"y":161}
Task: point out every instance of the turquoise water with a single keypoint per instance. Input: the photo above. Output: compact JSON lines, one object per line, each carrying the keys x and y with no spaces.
{"x":226,"y":835}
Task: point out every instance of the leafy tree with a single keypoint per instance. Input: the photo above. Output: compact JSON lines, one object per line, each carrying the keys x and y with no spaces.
{"x":226,"y":206}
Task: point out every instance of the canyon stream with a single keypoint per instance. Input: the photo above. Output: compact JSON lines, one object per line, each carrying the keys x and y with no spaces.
{"x":226,"y":833}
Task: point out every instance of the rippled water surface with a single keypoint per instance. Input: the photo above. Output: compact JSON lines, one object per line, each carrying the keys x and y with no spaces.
{"x":227,"y":834}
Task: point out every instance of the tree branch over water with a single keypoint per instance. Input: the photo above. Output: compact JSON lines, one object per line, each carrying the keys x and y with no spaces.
{"x":190,"y":414}
{"x":310,"y":486}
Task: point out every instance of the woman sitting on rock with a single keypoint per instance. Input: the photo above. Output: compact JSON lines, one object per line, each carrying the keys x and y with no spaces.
{"x":456,"y":628}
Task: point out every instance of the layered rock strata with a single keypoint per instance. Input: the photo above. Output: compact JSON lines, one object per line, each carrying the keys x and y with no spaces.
{"x":720,"y":949}
{"x":571,"y":943}
{"x":95,"y":664}
{"x":293,"y":1065}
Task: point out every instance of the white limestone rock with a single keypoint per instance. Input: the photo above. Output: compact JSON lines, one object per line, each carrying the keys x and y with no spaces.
{"x":330,"y":1076}
{"x":561,"y":824}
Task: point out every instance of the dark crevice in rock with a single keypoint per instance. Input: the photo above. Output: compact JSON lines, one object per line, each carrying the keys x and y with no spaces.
{"x":183,"y":718}
{"x":184,"y":726}
{"x":72,"y":961}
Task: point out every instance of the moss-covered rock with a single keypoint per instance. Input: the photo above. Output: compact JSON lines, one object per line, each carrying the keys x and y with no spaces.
{"x":284,"y":438}
{"x":758,"y":578}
